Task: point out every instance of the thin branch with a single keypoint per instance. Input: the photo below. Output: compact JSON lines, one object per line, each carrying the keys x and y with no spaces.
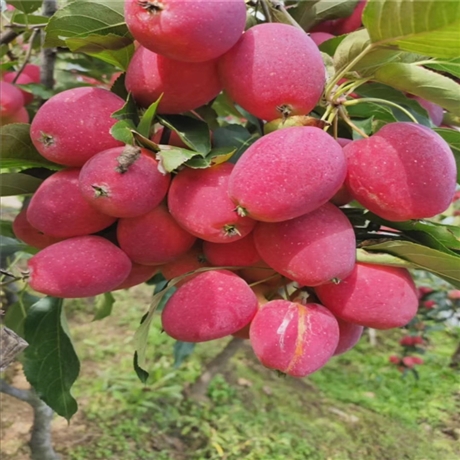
{"x":23,"y":395}
{"x":9,"y":36}
{"x":34,"y":34}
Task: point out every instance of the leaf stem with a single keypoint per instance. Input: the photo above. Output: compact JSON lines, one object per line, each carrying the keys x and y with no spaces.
{"x":380,"y":101}
{"x":343,"y":113}
{"x":342,"y":73}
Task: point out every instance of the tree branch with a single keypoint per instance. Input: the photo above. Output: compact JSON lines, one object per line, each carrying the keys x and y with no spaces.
{"x":23,"y":395}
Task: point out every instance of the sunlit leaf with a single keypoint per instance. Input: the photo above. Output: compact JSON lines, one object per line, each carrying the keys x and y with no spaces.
{"x":86,"y":17}
{"x":429,"y":27}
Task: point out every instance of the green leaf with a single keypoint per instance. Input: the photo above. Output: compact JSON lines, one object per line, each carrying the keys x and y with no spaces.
{"x":172,"y":157}
{"x":330,"y":46}
{"x":17,"y":149}
{"x":6,"y":228}
{"x":9,"y":246}
{"x":379,"y":112}
{"x":381,"y":258}
{"x":26,"y":6}
{"x":110,"y":48}
{"x":104,"y":304}
{"x":366,"y":125}
{"x":353,"y":45}
{"x":28,"y":19}
{"x":430,"y":27}
{"x":214,"y":157}
{"x":444,"y":265}
{"x":451,"y":66}
{"x":452,"y":137}
{"x":421,"y":82}
{"x":387,"y":93}
{"x":86,"y":17}
{"x":123,"y":131}
{"x":12,"y":184}
{"x":16,"y":313}
{"x":38,"y":90}
{"x":334,"y":9}
{"x":50,"y":362}
{"x":182,"y":350}
{"x":128,"y":111}
{"x":119,"y":87}
{"x":194,"y":133}
{"x":146,"y":122}
{"x":303,"y":13}
{"x":142,"y":374}
{"x":447,"y":235}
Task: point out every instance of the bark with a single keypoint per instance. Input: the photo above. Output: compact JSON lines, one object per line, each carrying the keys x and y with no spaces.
{"x":48,"y":55}
{"x":198,"y":389}
{"x":40,"y":443}
{"x":372,"y":337}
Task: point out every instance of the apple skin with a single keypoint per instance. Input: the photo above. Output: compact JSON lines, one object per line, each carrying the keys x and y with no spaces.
{"x":404,"y":171}
{"x":287,"y":173}
{"x":376,"y":296}
{"x":139,"y":274}
{"x":212,"y":305}
{"x":294,"y":338}
{"x":11,"y":99}
{"x":83,"y":266}
{"x":154,"y":238}
{"x":119,"y":192}
{"x":350,"y":334}
{"x":187,"y":30}
{"x":273,"y":66}
{"x":312,"y":249}
{"x":58,"y":209}
{"x":198,"y":200}
{"x":185,"y":85}
{"x":23,"y":79}
{"x":75,"y":124}
{"x":21,"y":116}
{"x":190,"y":261}
{"x":30,"y":235}
{"x":240,"y":253}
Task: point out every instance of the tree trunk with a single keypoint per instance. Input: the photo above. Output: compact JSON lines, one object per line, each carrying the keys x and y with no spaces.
{"x":40,"y":443}
{"x":48,"y":57}
{"x":198,"y":389}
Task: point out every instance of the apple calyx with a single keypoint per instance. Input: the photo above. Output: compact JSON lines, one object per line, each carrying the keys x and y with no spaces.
{"x":231,"y":230}
{"x":152,"y":6}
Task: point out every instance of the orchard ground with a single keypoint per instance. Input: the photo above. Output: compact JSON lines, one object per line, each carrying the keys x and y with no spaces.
{"x":357,"y":407}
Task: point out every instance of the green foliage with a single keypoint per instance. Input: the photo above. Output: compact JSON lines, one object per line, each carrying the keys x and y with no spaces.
{"x":50,"y":363}
{"x":359,"y":407}
{"x":431,"y":27}
{"x":13,"y":184}
{"x":103,"y":306}
{"x":84,"y":18}
{"x":18,"y":150}
{"x":26,"y":6}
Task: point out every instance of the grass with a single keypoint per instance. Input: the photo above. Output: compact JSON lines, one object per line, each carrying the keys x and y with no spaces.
{"x":358,"y":407}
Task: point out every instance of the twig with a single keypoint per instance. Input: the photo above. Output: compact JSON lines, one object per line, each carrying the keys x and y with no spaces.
{"x":34,"y":34}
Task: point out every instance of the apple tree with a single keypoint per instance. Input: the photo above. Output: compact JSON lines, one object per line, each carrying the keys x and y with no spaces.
{"x":277,"y":170}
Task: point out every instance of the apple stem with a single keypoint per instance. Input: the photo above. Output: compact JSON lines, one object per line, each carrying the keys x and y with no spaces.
{"x":127,"y":158}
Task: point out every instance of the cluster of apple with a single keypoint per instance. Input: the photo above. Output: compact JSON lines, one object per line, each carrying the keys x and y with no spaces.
{"x":13,"y":99}
{"x":286,"y":274}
